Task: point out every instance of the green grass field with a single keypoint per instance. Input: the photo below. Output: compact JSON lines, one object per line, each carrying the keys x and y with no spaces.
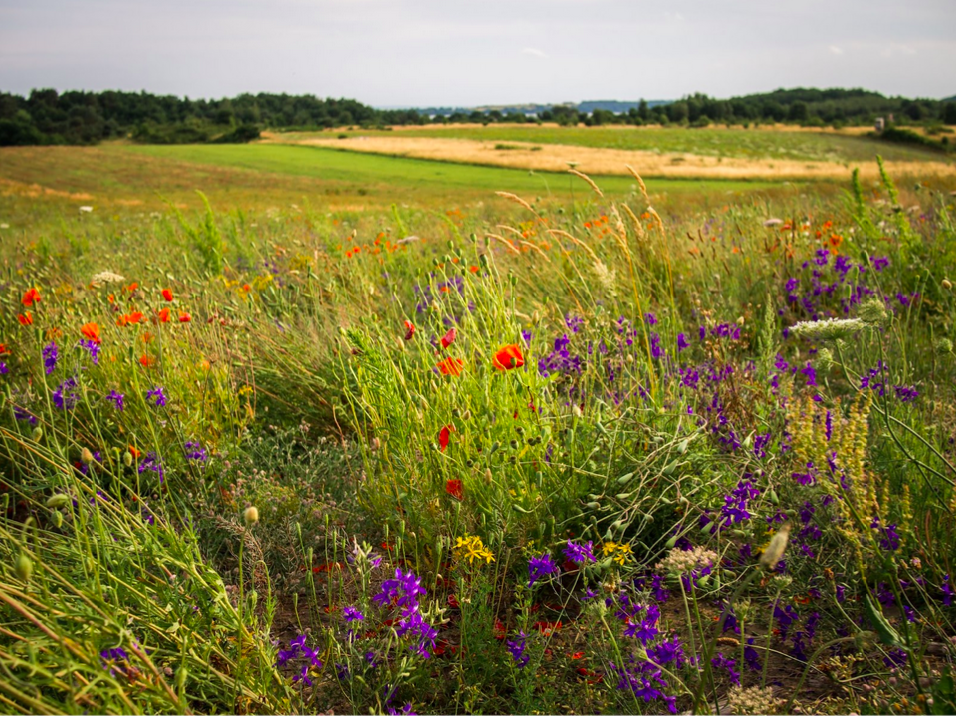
{"x":719,"y":142}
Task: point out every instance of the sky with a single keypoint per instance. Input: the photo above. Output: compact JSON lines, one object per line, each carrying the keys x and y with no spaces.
{"x":396,"y":53}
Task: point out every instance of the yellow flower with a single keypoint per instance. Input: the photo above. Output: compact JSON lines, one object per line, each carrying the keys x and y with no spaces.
{"x":619,"y":551}
{"x":471,"y":548}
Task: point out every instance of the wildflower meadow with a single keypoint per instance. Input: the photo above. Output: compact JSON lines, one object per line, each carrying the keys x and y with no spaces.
{"x":568,"y":453}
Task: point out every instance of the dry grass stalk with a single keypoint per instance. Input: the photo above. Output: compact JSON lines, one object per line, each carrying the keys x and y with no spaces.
{"x":576,"y":240}
{"x":638,"y":226}
{"x":585,"y":177}
{"x":505,"y":241}
{"x":640,"y":182}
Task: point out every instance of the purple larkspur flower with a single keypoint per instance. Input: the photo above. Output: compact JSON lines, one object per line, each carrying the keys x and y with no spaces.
{"x":194,"y":451}
{"x":579,"y":553}
{"x":539,"y":567}
{"x":157,"y":395}
{"x":351,"y":614}
{"x":116,"y":399}
{"x":93,"y":348}
{"x":64,"y":397}
{"x":114,"y":659}
{"x":50,"y":356}
{"x":517,"y":649}
{"x":682,"y":342}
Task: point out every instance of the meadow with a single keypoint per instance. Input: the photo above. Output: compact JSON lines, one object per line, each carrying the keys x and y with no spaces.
{"x":354,"y":433}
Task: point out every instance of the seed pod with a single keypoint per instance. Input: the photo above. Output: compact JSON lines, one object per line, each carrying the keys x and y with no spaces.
{"x":624,"y":479}
{"x":24,"y":567}
{"x":592,"y":505}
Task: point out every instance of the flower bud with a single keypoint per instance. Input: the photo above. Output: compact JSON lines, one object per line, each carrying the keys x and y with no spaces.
{"x":250,"y":516}
{"x":24,"y":567}
{"x":947,"y":284}
{"x":37,"y":434}
{"x":58,"y":500}
{"x":127,"y":459}
{"x":86,"y":456}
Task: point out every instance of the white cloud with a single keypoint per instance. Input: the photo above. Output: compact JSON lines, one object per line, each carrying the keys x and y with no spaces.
{"x":534,"y":52}
{"x":836,"y":50}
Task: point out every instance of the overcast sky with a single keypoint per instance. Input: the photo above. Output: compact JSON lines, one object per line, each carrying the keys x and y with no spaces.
{"x":474,"y":52}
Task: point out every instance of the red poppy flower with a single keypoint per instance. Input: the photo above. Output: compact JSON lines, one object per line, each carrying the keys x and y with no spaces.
{"x":508,"y":357}
{"x":163,"y":315}
{"x":3,"y":349}
{"x":409,"y":330}
{"x":451,"y":366}
{"x":443,"y":436}
{"x":132,"y":287}
{"x":499,"y":630}
{"x":30,"y":297}
{"x":453,"y":601}
{"x":91,"y":330}
{"x":577,"y":655}
{"x":26,"y":319}
{"x":134,"y":452}
{"x":167,"y":294}
{"x":184,"y":317}
{"x":455,"y":489}
{"x":147,"y":361}
{"x":449,"y":337}
{"x":246,"y":287}
{"x":547,"y":628}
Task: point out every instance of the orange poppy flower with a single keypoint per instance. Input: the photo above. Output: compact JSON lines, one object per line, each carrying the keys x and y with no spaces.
{"x":409,"y":330}
{"x":30,"y":297}
{"x":26,"y":319}
{"x":455,"y":489}
{"x":132,"y":287}
{"x":167,"y":294}
{"x":92,"y":331}
{"x":147,"y":361}
{"x":3,"y":349}
{"x":163,"y":315}
{"x":451,"y":366}
{"x":184,"y":317}
{"x":246,"y":287}
{"x":134,"y":452}
{"x":508,"y":357}
{"x":473,"y":269}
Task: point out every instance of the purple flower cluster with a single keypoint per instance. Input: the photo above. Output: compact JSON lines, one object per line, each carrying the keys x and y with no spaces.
{"x":889,"y":538}
{"x":643,"y":679}
{"x":722,"y":662}
{"x":116,"y":399}
{"x":157,"y":395}
{"x":115,"y":659}
{"x":152,"y":462}
{"x":403,"y":591}
{"x":50,"y":356}
{"x":824,"y":295}
{"x":579,"y":553}
{"x":560,"y":359}
{"x":298,"y":648}
{"x":517,"y":649}
{"x":194,"y":451}
{"x":93,"y":348}
{"x":539,"y":567}
{"x":65,"y":397}
{"x":734,"y":510}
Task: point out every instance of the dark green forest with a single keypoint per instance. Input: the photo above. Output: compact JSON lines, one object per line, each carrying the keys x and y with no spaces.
{"x":78,"y":117}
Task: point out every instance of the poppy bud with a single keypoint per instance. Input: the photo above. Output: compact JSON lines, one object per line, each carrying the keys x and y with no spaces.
{"x":250,"y":516}
{"x":59,"y":500}
{"x":86,"y":456}
{"x":24,"y":567}
{"x":57,"y":518}
{"x":127,"y":459}
{"x":576,"y":411}
{"x":947,"y":284}
{"x":37,"y":434}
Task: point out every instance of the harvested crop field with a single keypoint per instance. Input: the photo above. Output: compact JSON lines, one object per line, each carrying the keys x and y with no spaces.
{"x":605,"y":161}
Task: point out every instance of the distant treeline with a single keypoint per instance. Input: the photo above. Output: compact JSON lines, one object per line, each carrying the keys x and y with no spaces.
{"x":49,"y":117}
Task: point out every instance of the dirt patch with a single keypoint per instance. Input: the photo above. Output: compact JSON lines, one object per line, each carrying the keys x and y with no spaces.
{"x":598,"y":161}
